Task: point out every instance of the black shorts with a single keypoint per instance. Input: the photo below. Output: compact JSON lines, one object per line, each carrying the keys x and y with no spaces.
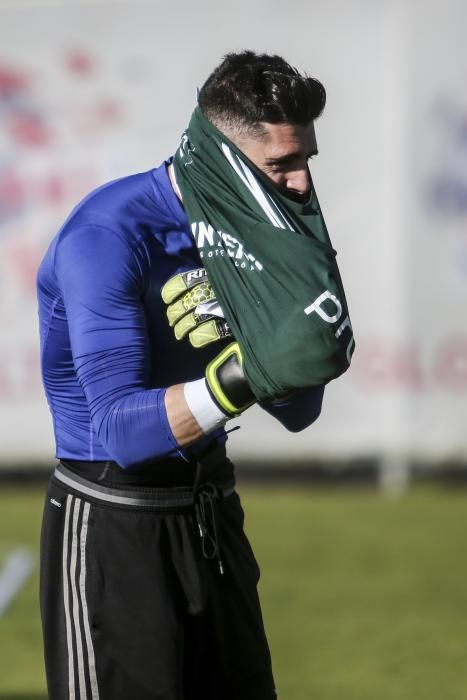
{"x":131,"y":606}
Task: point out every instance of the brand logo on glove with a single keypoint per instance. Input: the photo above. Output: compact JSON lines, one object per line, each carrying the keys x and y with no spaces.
{"x":219,"y":243}
{"x":196,"y":275}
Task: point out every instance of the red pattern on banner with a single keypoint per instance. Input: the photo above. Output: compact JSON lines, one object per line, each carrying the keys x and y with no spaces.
{"x":109,"y":111}
{"x":12,"y":193}
{"x":387,"y":365}
{"x":80,"y":62}
{"x":12,"y":81}
{"x":451,"y":364}
{"x":28,"y":130}
{"x":52,"y":188}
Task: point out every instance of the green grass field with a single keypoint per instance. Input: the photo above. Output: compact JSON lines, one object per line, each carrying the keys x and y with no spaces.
{"x":364,"y":597}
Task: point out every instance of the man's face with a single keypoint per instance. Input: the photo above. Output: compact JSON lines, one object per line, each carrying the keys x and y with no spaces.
{"x":282,"y":154}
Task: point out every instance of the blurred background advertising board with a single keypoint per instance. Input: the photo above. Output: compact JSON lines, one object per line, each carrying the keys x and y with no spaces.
{"x":91,"y":91}
{"x":437,"y":230}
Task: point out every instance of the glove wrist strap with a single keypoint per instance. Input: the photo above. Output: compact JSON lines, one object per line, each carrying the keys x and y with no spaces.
{"x":226,"y":382}
{"x":204,"y":409}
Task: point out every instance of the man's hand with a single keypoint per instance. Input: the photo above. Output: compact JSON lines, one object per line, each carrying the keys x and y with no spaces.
{"x":226,"y":382}
{"x":198,"y":407}
{"x":193,"y":309}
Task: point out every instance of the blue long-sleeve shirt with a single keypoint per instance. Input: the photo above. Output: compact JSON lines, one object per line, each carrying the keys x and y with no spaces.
{"x":107,"y":351}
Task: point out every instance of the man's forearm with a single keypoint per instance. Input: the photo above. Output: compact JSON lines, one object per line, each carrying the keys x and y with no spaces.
{"x":183,"y":424}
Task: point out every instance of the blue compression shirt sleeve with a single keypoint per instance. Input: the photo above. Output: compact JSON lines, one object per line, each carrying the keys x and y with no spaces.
{"x":101,"y":279}
{"x":298,"y":412}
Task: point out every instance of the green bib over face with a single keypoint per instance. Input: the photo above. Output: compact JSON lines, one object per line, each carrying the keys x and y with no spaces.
{"x":270,"y":262}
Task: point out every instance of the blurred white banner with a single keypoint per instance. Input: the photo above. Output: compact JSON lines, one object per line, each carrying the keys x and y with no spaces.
{"x":95,"y":90}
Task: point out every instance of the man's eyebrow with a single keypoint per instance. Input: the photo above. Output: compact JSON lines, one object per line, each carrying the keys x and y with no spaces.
{"x":291,"y":156}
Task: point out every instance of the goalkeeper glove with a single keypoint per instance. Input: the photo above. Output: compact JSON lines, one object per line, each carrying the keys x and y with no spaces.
{"x":222,"y":394}
{"x":193,"y":309}
{"x":226,"y":382}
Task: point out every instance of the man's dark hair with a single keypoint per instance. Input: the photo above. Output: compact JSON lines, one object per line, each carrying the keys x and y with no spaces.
{"x":247,"y":88}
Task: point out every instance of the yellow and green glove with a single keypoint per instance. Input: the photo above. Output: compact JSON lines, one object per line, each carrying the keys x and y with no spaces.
{"x":193,"y":311}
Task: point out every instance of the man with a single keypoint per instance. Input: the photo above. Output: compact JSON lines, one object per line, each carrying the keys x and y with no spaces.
{"x":148,"y":583}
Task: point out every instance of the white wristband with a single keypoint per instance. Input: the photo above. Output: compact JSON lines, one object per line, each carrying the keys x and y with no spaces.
{"x":206,"y":413}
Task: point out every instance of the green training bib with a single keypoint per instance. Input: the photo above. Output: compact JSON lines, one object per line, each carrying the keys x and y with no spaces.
{"x":270,"y":262}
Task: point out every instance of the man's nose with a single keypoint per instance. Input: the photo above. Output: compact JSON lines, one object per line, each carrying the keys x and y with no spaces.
{"x":299,"y":180}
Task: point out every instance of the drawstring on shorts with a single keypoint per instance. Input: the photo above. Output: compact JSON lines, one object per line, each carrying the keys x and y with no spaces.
{"x":205,"y":497}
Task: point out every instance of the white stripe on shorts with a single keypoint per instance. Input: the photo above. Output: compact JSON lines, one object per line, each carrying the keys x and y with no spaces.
{"x":76,"y":602}
{"x":82,"y":588}
{"x":74,"y":551}
{"x":66,"y":588}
